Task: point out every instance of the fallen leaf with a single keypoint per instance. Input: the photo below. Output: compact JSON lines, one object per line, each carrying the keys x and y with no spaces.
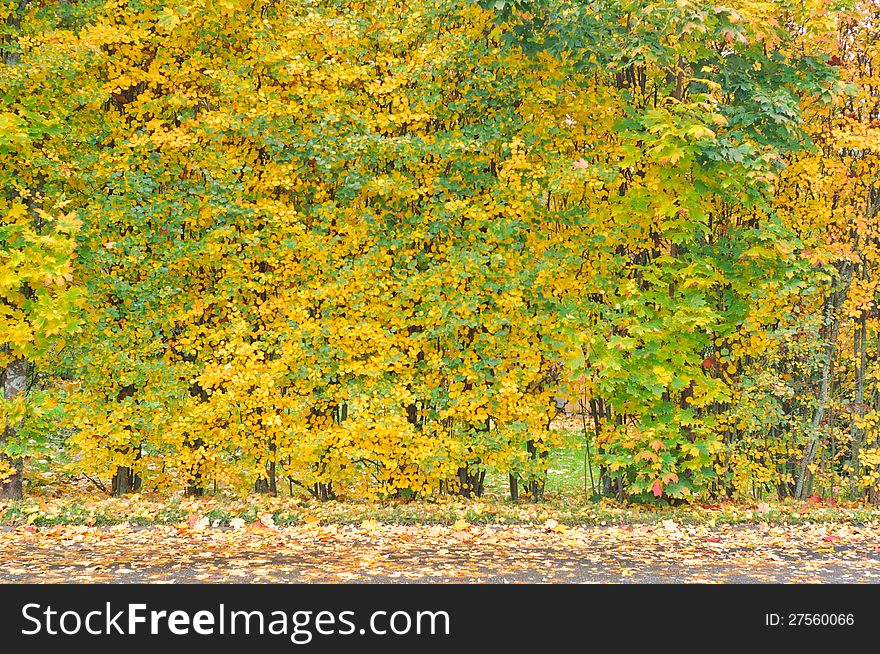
{"x":267,"y":520}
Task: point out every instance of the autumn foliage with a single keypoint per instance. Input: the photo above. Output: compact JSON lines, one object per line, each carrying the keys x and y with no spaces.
{"x":363,"y":247}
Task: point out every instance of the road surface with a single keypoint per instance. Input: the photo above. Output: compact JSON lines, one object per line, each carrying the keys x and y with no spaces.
{"x":373,"y":553}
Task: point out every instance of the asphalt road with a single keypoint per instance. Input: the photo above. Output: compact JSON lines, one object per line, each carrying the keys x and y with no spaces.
{"x":432,"y":554}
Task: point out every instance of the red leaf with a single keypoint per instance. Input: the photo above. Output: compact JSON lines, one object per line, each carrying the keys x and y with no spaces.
{"x":657,"y":489}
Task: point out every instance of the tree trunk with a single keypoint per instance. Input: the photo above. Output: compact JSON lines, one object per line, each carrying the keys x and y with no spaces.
{"x":323,"y":492}
{"x":858,"y":433}
{"x":196,"y":486}
{"x":536,"y":482}
{"x":833,"y":304}
{"x":14,"y":381}
{"x":470,"y":484}
{"x":815,"y":436}
{"x":125,"y":481}
{"x":269,"y":483}
{"x":13,"y":378}
{"x":193,"y":490}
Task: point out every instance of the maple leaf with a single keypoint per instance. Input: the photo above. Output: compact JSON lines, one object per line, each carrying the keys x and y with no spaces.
{"x":267,"y":520}
{"x":198,"y":523}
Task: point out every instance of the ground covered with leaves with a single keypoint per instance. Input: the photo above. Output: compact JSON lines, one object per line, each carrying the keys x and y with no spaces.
{"x":257,"y":539}
{"x":198,"y":552}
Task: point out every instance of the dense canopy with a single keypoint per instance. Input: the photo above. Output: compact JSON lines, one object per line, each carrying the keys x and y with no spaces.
{"x":368,"y":248}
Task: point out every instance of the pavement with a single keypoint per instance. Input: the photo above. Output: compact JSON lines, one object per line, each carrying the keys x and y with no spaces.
{"x":374,"y":553}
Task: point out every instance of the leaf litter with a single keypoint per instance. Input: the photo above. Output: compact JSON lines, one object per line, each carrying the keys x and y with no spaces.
{"x":196,"y":550}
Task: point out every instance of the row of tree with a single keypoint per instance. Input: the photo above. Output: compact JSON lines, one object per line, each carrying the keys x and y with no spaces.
{"x":360,"y":247}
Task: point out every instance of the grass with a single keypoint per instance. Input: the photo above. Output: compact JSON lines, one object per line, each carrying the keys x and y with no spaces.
{"x":565,"y":471}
